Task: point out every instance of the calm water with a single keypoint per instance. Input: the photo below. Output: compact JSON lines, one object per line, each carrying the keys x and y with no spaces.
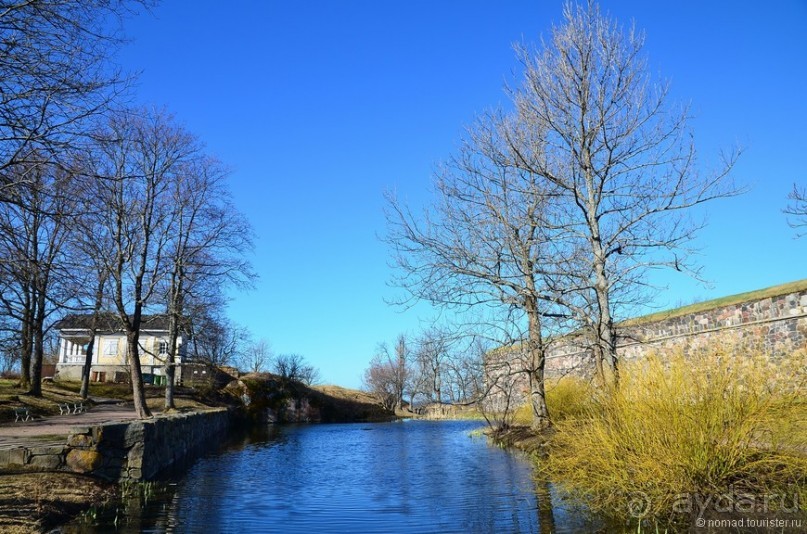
{"x":411,"y":476}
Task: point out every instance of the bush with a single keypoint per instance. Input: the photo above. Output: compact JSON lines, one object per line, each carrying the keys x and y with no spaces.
{"x":569,"y":397}
{"x":719,"y":423}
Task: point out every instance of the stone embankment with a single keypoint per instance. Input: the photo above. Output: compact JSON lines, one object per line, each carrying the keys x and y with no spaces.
{"x":130,"y":450}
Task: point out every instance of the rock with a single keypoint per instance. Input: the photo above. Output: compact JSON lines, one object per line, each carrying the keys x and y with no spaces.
{"x":48,"y":462}
{"x":80,"y":440}
{"x":83,"y":461}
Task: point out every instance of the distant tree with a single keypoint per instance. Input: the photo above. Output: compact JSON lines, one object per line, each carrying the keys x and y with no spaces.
{"x":258,"y":356}
{"x":389,"y":372}
{"x":214,"y":339}
{"x":431,"y":354}
{"x":797,"y":210}
{"x":293,"y":367}
{"x":464,"y":372}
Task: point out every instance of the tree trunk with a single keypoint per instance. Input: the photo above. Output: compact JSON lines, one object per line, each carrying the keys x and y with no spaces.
{"x":537,"y":362}
{"x":39,"y":346}
{"x":26,"y":343}
{"x":606,"y":337}
{"x":138,"y":390}
{"x":170,"y":369}
{"x":85,"y":371}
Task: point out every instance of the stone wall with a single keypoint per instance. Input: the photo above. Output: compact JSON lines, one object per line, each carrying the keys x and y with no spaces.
{"x":134,"y":450}
{"x":774,"y":324}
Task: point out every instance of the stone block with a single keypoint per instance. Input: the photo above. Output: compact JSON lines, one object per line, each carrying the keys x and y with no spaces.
{"x":83,"y":461}
{"x":46,"y":462}
{"x":134,"y":434}
{"x":13,"y":457}
{"x":57,"y":450}
{"x":80,"y":440}
{"x":135,"y":456}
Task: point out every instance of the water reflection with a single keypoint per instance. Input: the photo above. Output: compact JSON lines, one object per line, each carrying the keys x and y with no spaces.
{"x":411,"y":476}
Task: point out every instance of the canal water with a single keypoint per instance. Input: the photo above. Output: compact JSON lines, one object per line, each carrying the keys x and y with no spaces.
{"x":408,"y":476}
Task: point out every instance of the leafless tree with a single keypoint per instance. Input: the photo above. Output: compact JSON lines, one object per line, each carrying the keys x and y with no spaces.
{"x":593,"y":126}
{"x":258,"y":356}
{"x":389,"y":372}
{"x":214,"y":339}
{"x":208,"y":249}
{"x":797,"y":210}
{"x":431,"y":355}
{"x":464,"y":372}
{"x":54,"y":75}
{"x":34,"y":228}
{"x":136,"y":158}
{"x":293,"y":367}
{"x":486,"y":243}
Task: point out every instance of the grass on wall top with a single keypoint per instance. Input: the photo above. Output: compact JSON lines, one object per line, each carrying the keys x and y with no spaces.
{"x":739,"y":298}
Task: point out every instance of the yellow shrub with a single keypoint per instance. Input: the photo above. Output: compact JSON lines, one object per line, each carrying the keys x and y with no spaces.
{"x":719,"y":421}
{"x":567,"y":397}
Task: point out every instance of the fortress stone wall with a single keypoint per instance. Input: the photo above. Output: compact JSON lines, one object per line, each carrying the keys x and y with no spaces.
{"x":775,"y":324}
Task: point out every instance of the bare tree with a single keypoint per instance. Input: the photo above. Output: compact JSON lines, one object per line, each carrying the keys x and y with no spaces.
{"x":486,"y":243}
{"x":431,"y":355}
{"x":388,"y":373}
{"x":258,"y":356}
{"x":464,"y":372}
{"x":797,"y":209}
{"x":293,"y":367}
{"x":54,"y":74}
{"x":214,"y":338}
{"x":208,"y":247}
{"x":34,"y":227}
{"x":136,"y":158}
{"x":592,"y":125}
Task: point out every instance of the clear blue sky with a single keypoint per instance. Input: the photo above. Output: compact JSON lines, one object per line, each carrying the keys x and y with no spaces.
{"x":321,"y":106}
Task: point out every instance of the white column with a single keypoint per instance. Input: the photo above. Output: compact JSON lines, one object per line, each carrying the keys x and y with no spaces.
{"x":62,"y":350}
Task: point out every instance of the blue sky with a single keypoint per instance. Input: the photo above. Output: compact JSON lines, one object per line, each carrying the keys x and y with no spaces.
{"x":321,"y":106}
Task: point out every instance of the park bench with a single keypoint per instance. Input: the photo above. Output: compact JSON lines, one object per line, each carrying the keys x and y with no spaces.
{"x":68,"y":408}
{"x":22,"y":414}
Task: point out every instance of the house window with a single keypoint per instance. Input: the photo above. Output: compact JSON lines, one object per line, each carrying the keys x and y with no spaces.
{"x":110,"y":347}
{"x":163,"y":347}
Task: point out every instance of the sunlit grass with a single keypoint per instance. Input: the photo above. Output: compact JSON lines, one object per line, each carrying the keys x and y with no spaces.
{"x":720,"y":422}
{"x":569,"y":397}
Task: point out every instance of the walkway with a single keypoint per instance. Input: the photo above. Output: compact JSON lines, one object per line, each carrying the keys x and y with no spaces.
{"x":54,"y":429}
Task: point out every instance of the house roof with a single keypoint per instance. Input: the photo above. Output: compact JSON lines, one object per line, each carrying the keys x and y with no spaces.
{"x":109,"y":322}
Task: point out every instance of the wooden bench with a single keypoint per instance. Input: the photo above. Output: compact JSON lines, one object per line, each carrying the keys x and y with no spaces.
{"x":22,"y":414}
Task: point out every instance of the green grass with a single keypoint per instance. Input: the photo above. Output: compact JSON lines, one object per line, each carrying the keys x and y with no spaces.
{"x":699,"y":307}
{"x":724,"y":421}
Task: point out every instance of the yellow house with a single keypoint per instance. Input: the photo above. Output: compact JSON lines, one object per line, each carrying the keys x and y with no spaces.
{"x":110,"y":362}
